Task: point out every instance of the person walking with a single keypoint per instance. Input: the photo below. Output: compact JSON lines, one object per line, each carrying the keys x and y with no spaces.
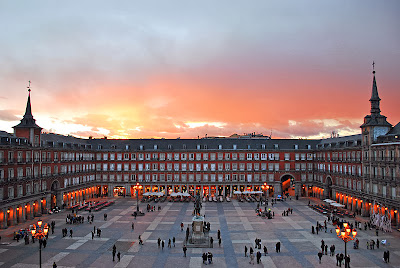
{"x":377,"y":243}
{"x":54,"y":265}
{"x":113,"y":254}
{"x":204,"y":256}
{"x":219,"y":234}
{"x":70,"y":233}
{"x":173,"y":240}
{"x":265,"y":251}
{"x":258,"y":257}
{"x":184,"y":250}
{"x":320,"y":256}
{"x":245,"y":251}
{"x":219,"y":242}
{"x":181,"y":226}
{"x":169,"y":243}
{"x":133,"y":226}
{"x":278,"y":247}
{"x":92,"y":235}
{"x":159,"y":242}
{"x":251,"y":258}
{"x":162,"y":245}
{"x":119,"y":256}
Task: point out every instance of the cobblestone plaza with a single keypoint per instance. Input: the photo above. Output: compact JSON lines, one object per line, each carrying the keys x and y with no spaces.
{"x":237,"y":221}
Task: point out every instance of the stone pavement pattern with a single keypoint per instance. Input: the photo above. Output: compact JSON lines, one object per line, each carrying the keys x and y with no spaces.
{"x":238,"y":224}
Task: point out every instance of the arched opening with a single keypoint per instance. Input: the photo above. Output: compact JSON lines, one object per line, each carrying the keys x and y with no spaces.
{"x":36,"y":208}
{"x":19,"y":214}
{"x":2,"y":219}
{"x":329,"y":187}
{"x":27,"y":210}
{"x":54,"y":193}
{"x":287,"y":184}
{"x":10,"y":216}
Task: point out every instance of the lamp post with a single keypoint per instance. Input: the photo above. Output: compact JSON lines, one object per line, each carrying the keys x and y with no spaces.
{"x":346,"y":234}
{"x":137,"y":187}
{"x":265,"y":188}
{"x":40,"y":232}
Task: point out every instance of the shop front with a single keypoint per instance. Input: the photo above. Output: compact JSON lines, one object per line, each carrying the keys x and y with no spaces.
{"x":119,"y":191}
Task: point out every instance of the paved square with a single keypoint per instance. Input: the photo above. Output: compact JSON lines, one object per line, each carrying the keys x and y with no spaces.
{"x":239,"y":227}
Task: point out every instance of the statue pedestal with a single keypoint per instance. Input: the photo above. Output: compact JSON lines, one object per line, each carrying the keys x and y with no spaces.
{"x":198,"y":238}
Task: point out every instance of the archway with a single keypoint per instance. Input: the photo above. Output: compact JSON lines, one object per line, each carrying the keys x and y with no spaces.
{"x":27,"y":211}
{"x":55,"y":185}
{"x":287,"y":184}
{"x":329,"y":187}
{"x":36,"y":208}
{"x":10,"y":216}
{"x":19,"y":214}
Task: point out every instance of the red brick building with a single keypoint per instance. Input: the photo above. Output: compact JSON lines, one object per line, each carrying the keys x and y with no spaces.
{"x":42,"y":170}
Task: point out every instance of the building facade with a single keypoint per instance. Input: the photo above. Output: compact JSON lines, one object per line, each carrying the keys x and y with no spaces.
{"x":42,"y":170}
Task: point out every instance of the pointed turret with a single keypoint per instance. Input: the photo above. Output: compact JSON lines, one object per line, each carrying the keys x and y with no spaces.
{"x":28,"y":128}
{"x":375,"y":124}
{"x":375,"y":100}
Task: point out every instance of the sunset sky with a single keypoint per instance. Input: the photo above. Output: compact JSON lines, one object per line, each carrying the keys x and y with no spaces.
{"x":152,"y":69}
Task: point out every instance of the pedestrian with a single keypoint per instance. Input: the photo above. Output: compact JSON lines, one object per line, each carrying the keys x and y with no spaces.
{"x":54,"y":265}
{"x":159,"y":242}
{"x":265,"y":251}
{"x":212,"y":242}
{"x":133,"y":226}
{"x":204,"y":258}
{"x":337,"y":259}
{"x":162,"y":245}
{"x":251,"y":258}
{"x":44,"y":243}
{"x":278,"y":247}
{"x":320,"y":256}
{"x":181,"y":226}
{"x":209,"y":256}
{"x":377,"y":243}
{"x":387,"y":255}
{"x":251,"y":250}
{"x":326,"y":249}
{"x":92,"y":235}
{"x":169,"y":243}
{"x":113,"y":254}
{"x":173,"y":240}
{"x":347,"y":261}
{"x":219,"y":242}
{"x":184,"y":250}
{"x":70,"y":233}
{"x":219,"y":234}
{"x":258,"y":257}
{"x":245,"y":251}
{"x":119,"y":256}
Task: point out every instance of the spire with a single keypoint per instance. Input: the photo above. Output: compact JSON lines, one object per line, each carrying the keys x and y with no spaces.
{"x":375,"y":100}
{"x":27,"y":120}
{"x":28,"y":111}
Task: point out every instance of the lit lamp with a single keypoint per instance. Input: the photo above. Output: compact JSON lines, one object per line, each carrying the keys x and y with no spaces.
{"x":346,"y":234}
{"x":40,"y":233}
{"x":137,"y":187}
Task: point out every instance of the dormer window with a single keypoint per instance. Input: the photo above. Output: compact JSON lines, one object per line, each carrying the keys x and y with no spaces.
{"x":219,"y":147}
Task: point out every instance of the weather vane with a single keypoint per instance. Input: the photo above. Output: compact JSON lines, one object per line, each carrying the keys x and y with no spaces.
{"x":29,"y":86}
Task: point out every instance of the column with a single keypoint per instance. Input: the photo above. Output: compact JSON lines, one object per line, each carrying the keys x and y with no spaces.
{"x":278,"y":188}
{"x":3,"y":223}
{"x":14,"y":218}
{"x":110,"y":190}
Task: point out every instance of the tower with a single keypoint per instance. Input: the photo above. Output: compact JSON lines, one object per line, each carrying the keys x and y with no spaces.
{"x":375,"y":124}
{"x":28,"y":128}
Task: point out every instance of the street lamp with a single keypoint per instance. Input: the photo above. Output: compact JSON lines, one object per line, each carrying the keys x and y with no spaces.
{"x":265,"y":187}
{"x":137,"y":187}
{"x":346,"y":234}
{"x":40,"y":232}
